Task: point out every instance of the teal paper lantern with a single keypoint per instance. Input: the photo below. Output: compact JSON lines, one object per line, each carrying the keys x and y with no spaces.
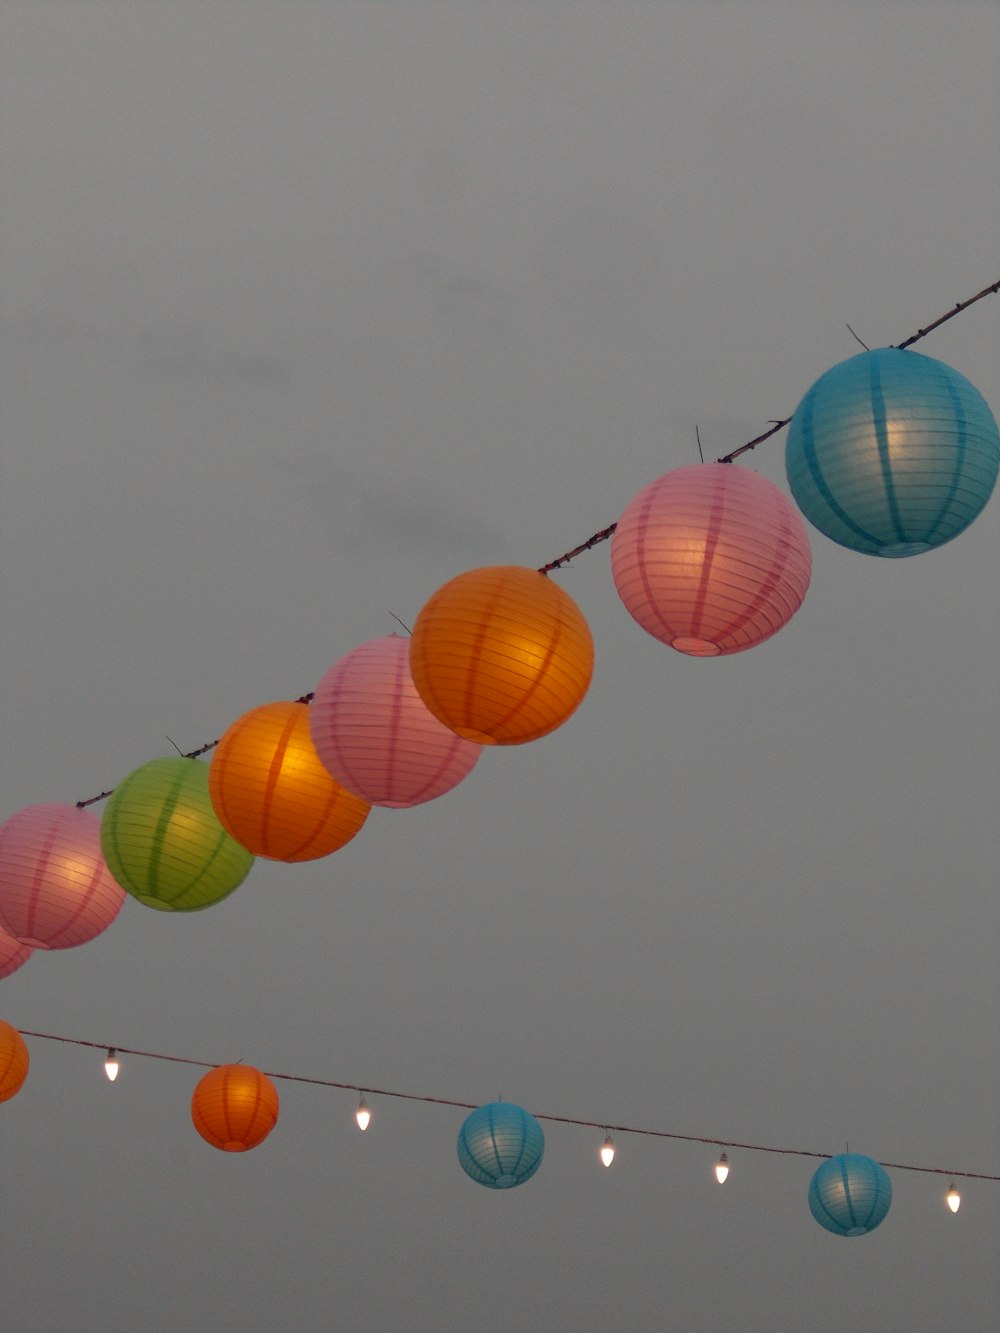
{"x":500,"y":1145}
{"x":163,"y":841}
{"x":850,"y":1194}
{"x":892,"y":453}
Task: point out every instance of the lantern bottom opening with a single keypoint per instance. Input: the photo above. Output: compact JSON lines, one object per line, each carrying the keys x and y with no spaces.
{"x":857,"y":1231}
{"x":899,"y":549}
{"x":32,"y":943}
{"x":234,"y":1146}
{"x":505,"y":1182}
{"x":695,"y":647}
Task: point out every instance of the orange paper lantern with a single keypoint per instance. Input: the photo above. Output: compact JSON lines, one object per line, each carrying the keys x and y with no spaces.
{"x":272,"y":792}
{"x":14,"y":1061}
{"x":501,"y":655}
{"x":234,"y":1107}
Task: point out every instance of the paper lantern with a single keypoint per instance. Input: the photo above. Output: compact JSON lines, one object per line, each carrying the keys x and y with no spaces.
{"x":850,"y":1194}
{"x":501,"y":655}
{"x":500,"y":1145}
{"x":273,"y":794}
{"x":55,"y":889}
{"x":892,"y":453}
{"x":234,"y":1107}
{"x":163,"y":841}
{"x":711,"y":559}
{"x":376,"y":735}
{"x":14,"y":1061}
{"x":13,"y":954}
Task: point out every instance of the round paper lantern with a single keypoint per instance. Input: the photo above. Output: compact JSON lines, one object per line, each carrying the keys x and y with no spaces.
{"x":850,"y":1194}
{"x":234,"y":1107}
{"x":500,"y":1145}
{"x":271,"y":791}
{"x":711,"y":559}
{"x":13,"y":954}
{"x":55,"y":889}
{"x":163,"y":841}
{"x":892,"y":453}
{"x":376,"y":735}
{"x":501,"y":655}
{"x":14,"y":1061}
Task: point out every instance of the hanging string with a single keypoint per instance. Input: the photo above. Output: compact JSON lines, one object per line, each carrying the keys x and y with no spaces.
{"x":607,"y":1126}
{"x":776,"y":425}
{"x":607,"y":532}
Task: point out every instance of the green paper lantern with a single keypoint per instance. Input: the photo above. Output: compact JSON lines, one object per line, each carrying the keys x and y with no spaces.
{"x":163,"y":841}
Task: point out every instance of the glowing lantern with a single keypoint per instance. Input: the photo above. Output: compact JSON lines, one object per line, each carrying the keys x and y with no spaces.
{"x":892,"y":453}
{"x":55,"y":889}
{"x":501,"y":655}
{"x":376,"y":735}
{"x":14,"y":1061}
{"x":163,"y":841}
{"x":850,"y":1194}
{"x":13,"y":954}
{"x":711,"y":559}
{"x":271,"y":791}
{"x":500,"y":1145}
{"x":234,"y":1107}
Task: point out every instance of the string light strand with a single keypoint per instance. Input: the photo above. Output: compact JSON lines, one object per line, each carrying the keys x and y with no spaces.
{"x":608,"y":532}
{"x":608,"y":1127}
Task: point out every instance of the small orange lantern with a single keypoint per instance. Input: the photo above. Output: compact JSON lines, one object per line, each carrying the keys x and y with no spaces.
{"x":271,"y":791}
{"x":234,"y":1107}
{"x":501,"y":655}
{"x":14,"y":1061}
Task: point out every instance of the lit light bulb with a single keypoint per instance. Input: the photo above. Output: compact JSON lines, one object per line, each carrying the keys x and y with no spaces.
{"x":953,"y":1198}
{"x":608,"y":1151}
{"x":363,"y":1116}
{"x":111,"y":1064}
{"x":722,"y":1169}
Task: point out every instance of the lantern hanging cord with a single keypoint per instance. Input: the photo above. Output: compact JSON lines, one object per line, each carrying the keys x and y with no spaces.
{"x":777,"y":425}
{"x":184,"y":754}
{"x":608,"y":1127}
{"x":607,"y":532}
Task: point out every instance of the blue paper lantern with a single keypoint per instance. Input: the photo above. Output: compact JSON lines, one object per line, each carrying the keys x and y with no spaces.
{"x":892,"y":453}
{"x":850,"y":1194}
{"x":500,"y":1145}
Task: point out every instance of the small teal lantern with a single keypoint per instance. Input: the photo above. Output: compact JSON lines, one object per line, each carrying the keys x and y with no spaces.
{"x":500,"y":1145}
{"x":892,"y":453}
{"x":850,"y":1194}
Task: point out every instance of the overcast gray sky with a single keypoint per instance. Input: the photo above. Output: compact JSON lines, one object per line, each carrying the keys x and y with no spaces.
{"x":308,"y":307}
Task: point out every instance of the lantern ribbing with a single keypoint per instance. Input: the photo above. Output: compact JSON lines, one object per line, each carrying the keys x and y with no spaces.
{"x":711,"y":1140}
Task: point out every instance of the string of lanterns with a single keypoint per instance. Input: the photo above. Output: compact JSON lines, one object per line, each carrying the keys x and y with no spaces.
{"x":890,"y":453}
{"x":234,"y":1107}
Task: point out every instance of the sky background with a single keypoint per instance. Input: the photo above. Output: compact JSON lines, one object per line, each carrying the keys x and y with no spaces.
{"x":309,"y":307}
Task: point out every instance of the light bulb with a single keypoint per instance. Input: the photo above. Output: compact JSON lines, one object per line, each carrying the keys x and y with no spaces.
{"x":363,"y":1116}
{"x":953,"y":1198}
{"x":111,"y":1064}
{"x":608,"y":1151}
{"x":722,"y":1169}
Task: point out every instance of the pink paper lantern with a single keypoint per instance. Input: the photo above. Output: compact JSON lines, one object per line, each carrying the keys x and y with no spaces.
{"x":376,"y":735}
{"x":711,"y":559}
{"x":13,"y":954}
{"x":55,"y":889}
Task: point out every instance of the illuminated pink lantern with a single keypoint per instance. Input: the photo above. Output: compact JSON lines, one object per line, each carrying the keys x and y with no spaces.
{"x":55,"y":889}
{"x":711,"y":559}
{"x":13,"y":954}
{"x":376,"y":735}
